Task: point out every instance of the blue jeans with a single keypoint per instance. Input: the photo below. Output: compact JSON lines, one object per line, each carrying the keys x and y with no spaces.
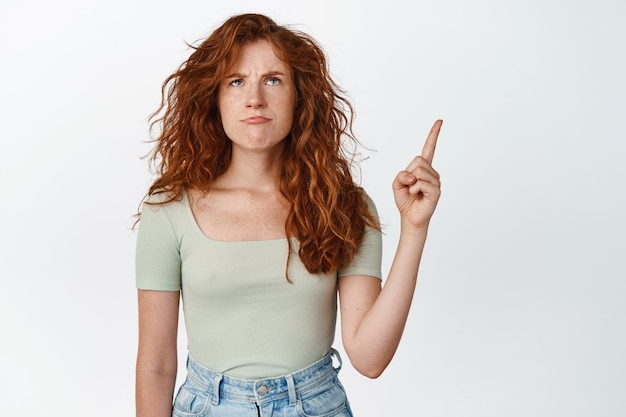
{"x":312,"y":391}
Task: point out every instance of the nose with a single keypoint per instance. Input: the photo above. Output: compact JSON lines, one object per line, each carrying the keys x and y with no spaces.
{"x":255,"y":98}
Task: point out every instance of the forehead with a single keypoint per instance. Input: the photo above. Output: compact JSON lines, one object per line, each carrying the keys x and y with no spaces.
{"x":259,"y":54}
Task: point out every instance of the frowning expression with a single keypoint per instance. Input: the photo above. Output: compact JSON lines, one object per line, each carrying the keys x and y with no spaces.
{"x":256,"y":100}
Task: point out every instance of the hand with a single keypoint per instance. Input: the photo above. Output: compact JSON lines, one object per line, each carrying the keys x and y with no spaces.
{"x":417,"y":188}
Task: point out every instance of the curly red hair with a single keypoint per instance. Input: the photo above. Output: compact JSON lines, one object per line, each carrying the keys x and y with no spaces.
{"x":328,"y":212}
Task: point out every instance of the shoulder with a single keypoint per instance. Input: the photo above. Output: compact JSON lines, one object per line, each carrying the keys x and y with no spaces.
{"x":165,"y":210}
{"x":367,"y":209}
{"x":162,"y":198}
{"x":371,"y":206}
{"x":165,"y":201}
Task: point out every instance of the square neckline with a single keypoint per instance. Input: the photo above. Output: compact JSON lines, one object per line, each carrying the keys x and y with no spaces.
{"x":186,"y":202}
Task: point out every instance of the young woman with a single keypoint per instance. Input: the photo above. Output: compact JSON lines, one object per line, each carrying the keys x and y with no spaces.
{"x":255,"y":220}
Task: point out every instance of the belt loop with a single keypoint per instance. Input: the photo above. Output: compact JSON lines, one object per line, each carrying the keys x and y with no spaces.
{"x":216,"y":389}
{"x":291,"y":387}
{"x":337,"y":356}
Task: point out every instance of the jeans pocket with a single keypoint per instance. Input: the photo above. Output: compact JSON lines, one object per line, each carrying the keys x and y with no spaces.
{"x":192,"y":400}
{"x":328,"y":403}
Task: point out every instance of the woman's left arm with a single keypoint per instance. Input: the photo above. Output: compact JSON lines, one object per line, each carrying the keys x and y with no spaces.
{"x":373,"y":318}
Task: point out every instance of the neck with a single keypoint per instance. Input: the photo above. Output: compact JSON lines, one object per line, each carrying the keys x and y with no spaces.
{"x":257,"y":171}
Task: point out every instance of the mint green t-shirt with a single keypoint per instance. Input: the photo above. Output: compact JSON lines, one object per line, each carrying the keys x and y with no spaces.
{"x":242,"y":317}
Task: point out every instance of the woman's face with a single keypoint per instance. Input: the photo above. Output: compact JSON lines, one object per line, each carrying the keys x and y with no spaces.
{"x":256,"y":100}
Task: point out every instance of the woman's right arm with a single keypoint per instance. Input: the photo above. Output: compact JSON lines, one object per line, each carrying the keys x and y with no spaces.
{"x":156,"y":355}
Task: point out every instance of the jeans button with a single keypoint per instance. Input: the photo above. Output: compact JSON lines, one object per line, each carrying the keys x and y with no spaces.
{"x":262,"y":390}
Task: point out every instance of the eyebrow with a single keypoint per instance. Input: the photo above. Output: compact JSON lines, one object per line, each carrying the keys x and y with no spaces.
{"x":267,"y":74}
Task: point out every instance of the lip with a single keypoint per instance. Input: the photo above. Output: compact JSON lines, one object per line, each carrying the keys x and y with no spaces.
{"x":255,"y":120}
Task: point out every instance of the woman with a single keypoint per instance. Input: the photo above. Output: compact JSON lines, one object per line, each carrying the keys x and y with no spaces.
{"x":255,"y":219}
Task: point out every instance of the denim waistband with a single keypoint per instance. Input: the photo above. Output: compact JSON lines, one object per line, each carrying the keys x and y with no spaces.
{"x":302,"y":383}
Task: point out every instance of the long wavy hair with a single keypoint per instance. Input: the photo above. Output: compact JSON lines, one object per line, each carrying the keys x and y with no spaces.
{"x":328,"y":212}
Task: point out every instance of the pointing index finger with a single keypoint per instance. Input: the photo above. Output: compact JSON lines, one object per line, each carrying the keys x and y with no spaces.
{"x":428,"y":152}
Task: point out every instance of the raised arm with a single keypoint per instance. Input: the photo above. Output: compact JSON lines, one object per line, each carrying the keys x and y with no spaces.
{"x":373,"y":319}
{"x":156,"y":356}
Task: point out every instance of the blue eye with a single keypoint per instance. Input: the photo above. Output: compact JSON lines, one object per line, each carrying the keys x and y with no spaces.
{"x":236,"y":83}
{"x":273,"y":81}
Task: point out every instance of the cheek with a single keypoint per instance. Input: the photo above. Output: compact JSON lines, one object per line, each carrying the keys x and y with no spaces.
{"x":225,"y":110}
{"x":290,"y":107}
{"x":221,"y":106}
{"x":225,"y":103}
{"x":289,"y":115}
{"x":225,"y":115}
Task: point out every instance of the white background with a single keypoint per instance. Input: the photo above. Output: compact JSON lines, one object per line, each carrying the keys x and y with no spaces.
{"x":519,"y":309}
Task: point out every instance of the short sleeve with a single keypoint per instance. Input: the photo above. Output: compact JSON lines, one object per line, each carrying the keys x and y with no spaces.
{"x":157,"y":255}
{"x":368,"y":259}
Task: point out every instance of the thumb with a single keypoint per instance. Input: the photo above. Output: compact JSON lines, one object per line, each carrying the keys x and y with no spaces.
{"x":402,"y":180}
